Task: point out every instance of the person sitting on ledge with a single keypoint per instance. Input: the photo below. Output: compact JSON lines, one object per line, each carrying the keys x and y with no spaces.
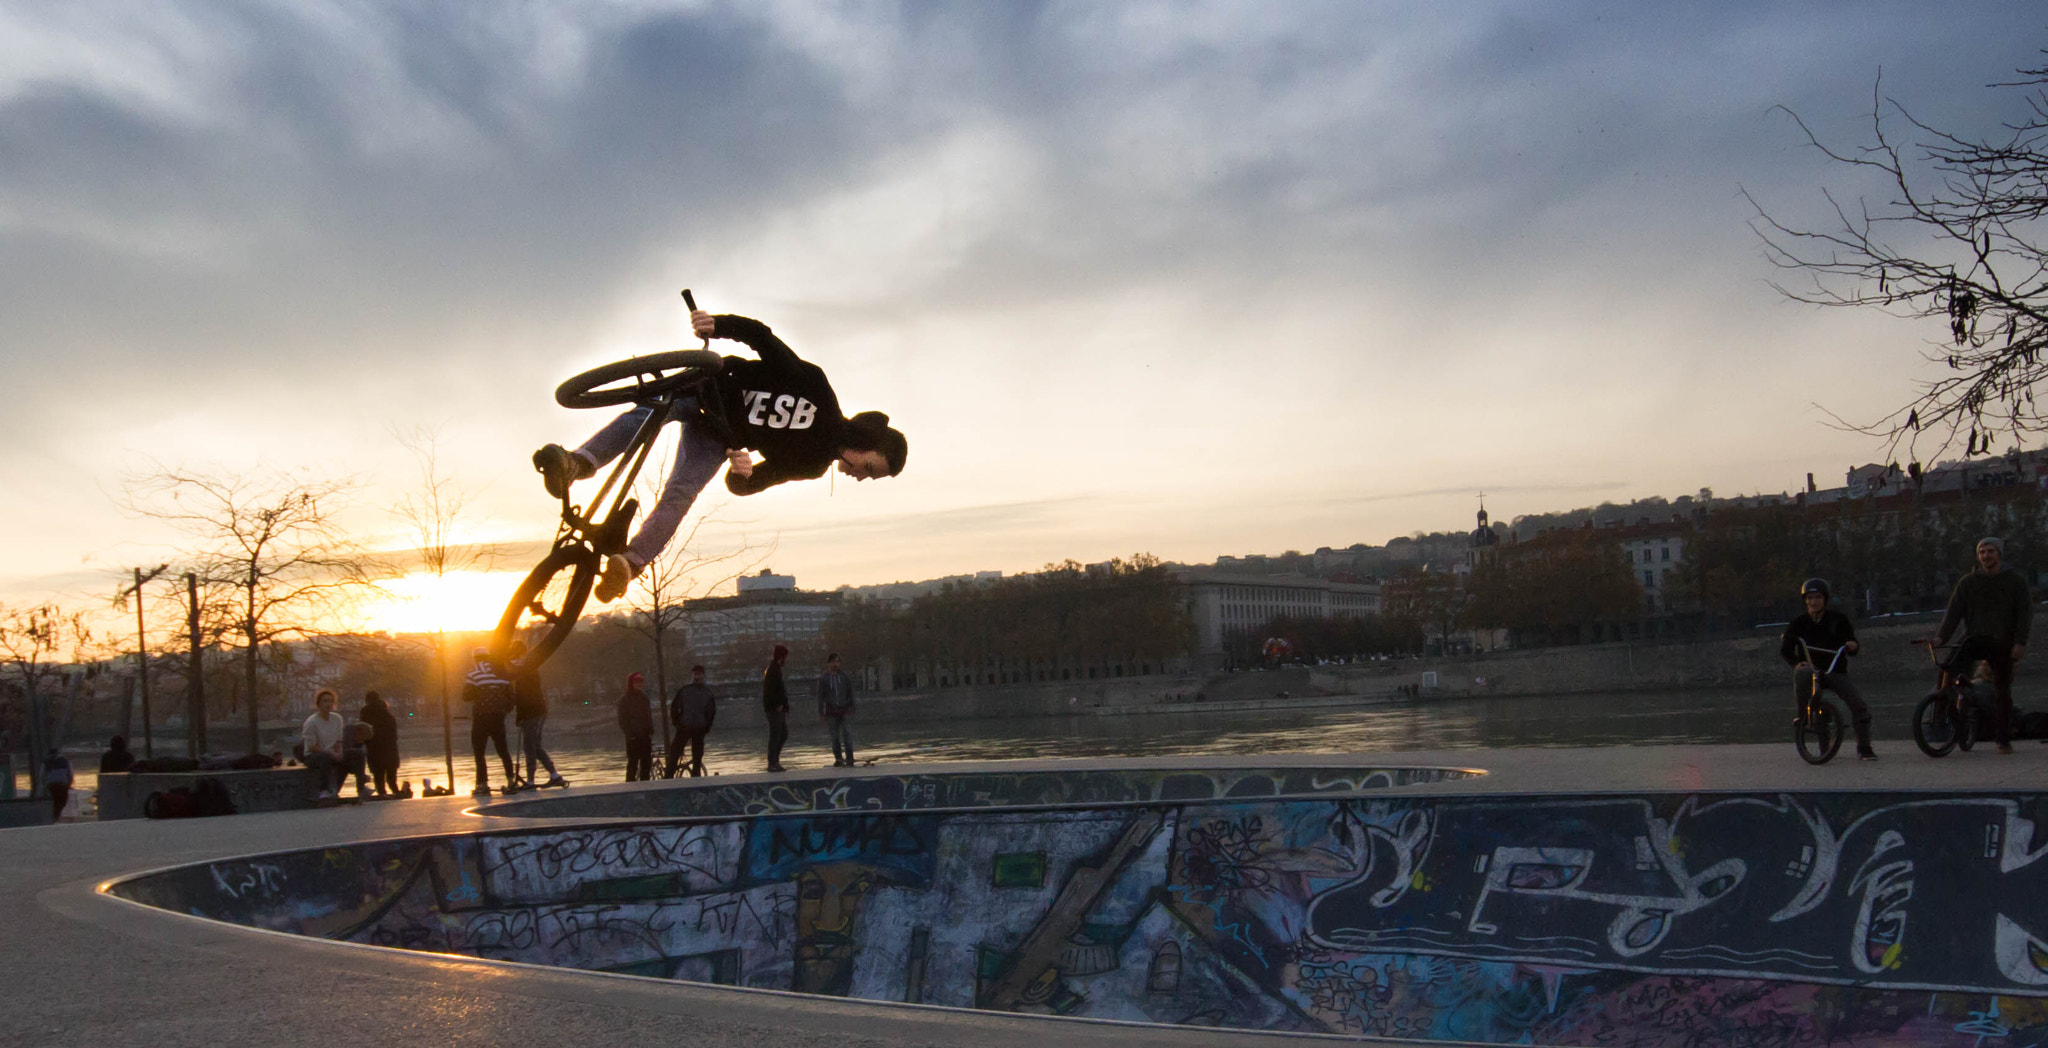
{"x":118,"y":758}
{"x":321,"y":737}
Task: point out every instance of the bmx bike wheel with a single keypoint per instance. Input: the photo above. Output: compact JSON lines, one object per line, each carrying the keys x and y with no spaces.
{"x":1934,"y":729}
{"x":544,"y":608}
{"x":638,"y":378}
{"x":1818,"y":735}
{"x":1968,"y":734}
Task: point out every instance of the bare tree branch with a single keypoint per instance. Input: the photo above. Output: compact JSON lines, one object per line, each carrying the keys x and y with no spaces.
{"x":1958,"y":240}
{"x":269,"y":548}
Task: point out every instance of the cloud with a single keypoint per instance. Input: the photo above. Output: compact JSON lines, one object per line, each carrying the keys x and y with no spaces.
{"x":1088,"y":253}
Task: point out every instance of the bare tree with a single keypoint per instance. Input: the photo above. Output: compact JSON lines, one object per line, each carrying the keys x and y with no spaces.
{"x":273,"y":543}
{"x":121,"y":598}
{"x":33,"y":641}
{"x":682,"y":572}
{"x":1957,"y":240}
{"x":434,"y":511}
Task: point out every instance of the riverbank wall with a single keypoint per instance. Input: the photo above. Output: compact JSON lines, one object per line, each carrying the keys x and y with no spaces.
{"x":1745,"y":661}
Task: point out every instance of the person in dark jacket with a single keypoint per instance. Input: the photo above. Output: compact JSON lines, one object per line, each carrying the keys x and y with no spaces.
{"x":835,"y":706}
{"x":691,"y":712}
{"x":636,"y":720}
{"x":775,"y":703}
{"x":489,"y":696}
{"x":1997,"y":613}
{"x":1829,"y":630}
{"x":57,"y":779}
{"x":530,"y":711}
{"x":381,"y":752}
{"x":118,"y":758}
{"x":779,"y":405}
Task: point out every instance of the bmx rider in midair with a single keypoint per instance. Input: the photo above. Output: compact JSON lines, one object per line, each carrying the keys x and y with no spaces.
{"x":778,"y":405}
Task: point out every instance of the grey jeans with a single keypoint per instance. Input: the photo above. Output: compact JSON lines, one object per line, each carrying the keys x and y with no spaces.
{"x":529,"y":741}
{"x":1859,"y":713}
{"x":842,"y":736}
{"x":698,"y":456}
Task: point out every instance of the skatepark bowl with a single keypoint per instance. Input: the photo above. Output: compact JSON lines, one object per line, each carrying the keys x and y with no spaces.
{"x":1322,"y":900}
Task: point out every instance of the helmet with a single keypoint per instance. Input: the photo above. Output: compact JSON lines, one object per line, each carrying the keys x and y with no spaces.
{"x":1819,"y":586}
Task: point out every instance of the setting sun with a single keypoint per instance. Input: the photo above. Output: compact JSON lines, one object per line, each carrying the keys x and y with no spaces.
{"x":422,"y":603}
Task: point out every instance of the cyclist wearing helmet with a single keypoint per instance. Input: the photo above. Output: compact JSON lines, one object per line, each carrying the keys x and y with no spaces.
{"x":1996,"y":612}
{"x":1823,"y":627}
{"x":779,"y":405}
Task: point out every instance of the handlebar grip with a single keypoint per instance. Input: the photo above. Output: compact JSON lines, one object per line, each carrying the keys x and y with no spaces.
{"x":689,"y":300}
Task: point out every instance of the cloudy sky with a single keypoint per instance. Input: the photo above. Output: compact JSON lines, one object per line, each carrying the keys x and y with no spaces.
{"x":1186,"y":278}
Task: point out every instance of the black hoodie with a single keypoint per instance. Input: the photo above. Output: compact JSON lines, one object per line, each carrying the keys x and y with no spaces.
{"x":780,"y":406}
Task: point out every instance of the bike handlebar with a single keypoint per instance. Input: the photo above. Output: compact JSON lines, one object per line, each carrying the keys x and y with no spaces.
{"x":1832,"y":663}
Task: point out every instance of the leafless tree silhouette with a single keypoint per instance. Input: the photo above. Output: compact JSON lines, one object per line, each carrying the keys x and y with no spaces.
{"x":1958,"y":239}
{"x":33,"y":643}
{"x":269,"y":545}
{"x":433,"y":511}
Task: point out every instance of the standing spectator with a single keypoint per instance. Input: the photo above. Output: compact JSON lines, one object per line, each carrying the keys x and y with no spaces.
{"x":382,"y":749}
{"x":636,"y":719}
{"x":835,"y":705}
{"x":489,"y":696}
{"x":57,"y":780}
{"x":118,"y":758}
{"x":355,"y":755}
{"x":1997,"y":612}
{"x":691,"y":712}
{"x":320,"y":738}
{"x":530,"y":709}
{"x":775,"y":703}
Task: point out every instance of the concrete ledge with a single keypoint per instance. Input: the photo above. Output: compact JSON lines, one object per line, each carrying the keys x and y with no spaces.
{"x":266,"y":789}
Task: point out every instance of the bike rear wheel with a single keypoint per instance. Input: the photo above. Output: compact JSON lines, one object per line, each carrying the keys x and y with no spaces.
{"x":1935,"y":729}
{"x":637,"y":379}
{"x":544,"y":608}
{"x":1818,"y":734}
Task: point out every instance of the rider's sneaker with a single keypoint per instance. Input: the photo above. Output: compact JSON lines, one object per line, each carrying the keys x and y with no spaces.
{"x":611,"y":585}
{"x":557,"y":781}
{"x":1866,"y":755}
{"x":559,"y":467}
{"x":480,"y":791}
{"x":2005,"y":749}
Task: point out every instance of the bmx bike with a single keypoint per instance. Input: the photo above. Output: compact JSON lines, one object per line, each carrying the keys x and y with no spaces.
{"x":1947,"y":719}
{"x":544,"y":609}
{"x":1817,"y":734}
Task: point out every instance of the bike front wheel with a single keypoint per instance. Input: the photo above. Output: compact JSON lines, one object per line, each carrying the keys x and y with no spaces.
{"x":544,"y":608}
{"x":1934,"y":726}
{"x":1971,"y":729}
{"x":1818,"y":734}
{"x":638,"y":379}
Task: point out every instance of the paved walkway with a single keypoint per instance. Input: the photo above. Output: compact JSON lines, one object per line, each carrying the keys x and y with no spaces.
{"x":82,"y":968}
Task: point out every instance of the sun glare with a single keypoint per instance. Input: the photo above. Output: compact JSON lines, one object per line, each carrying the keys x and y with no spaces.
{"x":459,"y":600}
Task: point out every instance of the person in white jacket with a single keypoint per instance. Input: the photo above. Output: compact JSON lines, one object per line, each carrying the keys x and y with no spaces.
{"x":321,"y":737}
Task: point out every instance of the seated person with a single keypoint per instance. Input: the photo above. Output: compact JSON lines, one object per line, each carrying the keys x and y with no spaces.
{"x":778,"y":405}
{"x":118,"y":758}
{"x":321,"y":736}
{"x":1830,"y":631}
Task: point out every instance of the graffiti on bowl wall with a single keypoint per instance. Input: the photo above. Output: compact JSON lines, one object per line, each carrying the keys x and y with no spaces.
{"x":1707,"y":919}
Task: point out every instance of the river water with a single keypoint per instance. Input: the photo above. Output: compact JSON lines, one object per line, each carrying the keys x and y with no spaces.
{"x":1732,"y":716}
{"x":1620,"y":719}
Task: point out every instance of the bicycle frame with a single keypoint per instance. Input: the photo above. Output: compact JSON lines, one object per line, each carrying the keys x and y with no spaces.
{"x":1816,"y":673}
{"x":1947,"y":678}
{"x":604,"y":535}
